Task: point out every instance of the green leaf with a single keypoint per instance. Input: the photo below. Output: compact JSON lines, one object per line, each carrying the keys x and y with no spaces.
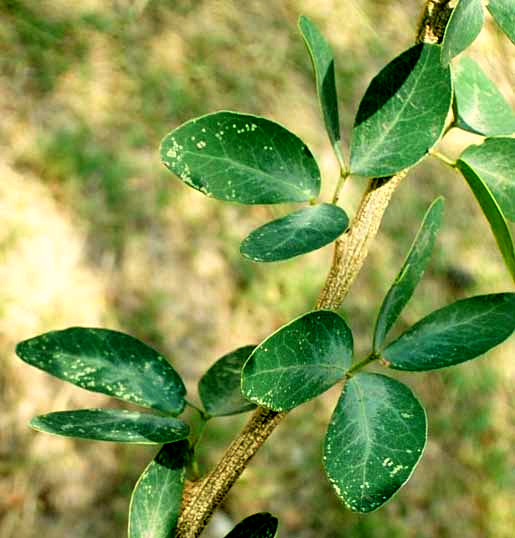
{"x":503,"y":12}
{"x":242,"y":158}
{"x":494,"y":162}
{"x":493,"y":213}
{"x":323,"y":65}
{"x":156,"y":498}
{"x":480,"y":106}
{"x":409,"y":276}
{"x":116,"y":425}
{"x":299,"y":361}
{"x":463,"y":27}
{"x":109,"y":362}
{"x":455,"y":333}
{"x":262,"y":525}
{"x":402,"y":114}
{"x":299,"y":232}
{"x":220,"y":387}
{"x":374,"y":441}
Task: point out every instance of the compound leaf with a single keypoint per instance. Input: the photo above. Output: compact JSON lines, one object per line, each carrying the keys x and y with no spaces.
{"x":323,"y":65}
{"x":409,"y":276}
{"x":480,"y":106}
{"x":118,"y":425}
{"x":109,"y":362}
{"x":299,"y":361}
{"x":262,"y":525}
{"x":463,"y":27}
{"x":299,"y":232}
{"x":503,"y":12}
{"x":493,"y":214}
{"x":220,"y":387}
{"x":156,"y":498}
{"x":402,"y":114}
{"x":242,"y":158}
{"x":374,"y":441}
{"x":455,"y":333}
{"x":494,"y":162}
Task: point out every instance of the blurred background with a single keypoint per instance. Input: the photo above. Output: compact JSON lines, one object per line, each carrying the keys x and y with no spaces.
{"x":95,"y":232}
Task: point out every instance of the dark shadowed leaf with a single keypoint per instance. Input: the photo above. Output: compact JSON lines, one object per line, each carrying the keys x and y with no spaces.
{"x":299,"y":232}
{"x":402,"y":113}
{"x":156,"y":498}
{"x":220,"y":387}
{"x":503,"y":12}
{"x":299,"y":361}
{"x":323,"y":65}
{"x":456,"y":333}
{"x":494,"y":162}
{"x":116,"y":425}
{"x":262,"y":525}
{"x":374,"y":441}
{"x":463,"y":27}
{"x":493,"y":213}
{"x":109,"y":362}
{"x":242,"y":158}
{"x":480,"y":106}
{"x":409,"y":276}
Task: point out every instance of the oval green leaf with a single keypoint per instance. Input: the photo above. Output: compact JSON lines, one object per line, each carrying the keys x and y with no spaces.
{"x":493,"y":214}
{"x":156,"y":498}
{"x":242,"y":158}
{"x":480,"y":106}
{"x":307,"y":229}
{"x":409,"y":276}
{"x":109,"y":362}
{"x":494,"y":162}
{"x":402,"y":114}
{"x":323,"y":65}
{"x":503,"y":12}
{"x":455,"y":333}
{"x":374,"y":441}
{"x":220,"y":387}
{"x":117,"y":425}
{"x":262,"y":525}
{"x":299,"y":361}
{"x":463,"y":27}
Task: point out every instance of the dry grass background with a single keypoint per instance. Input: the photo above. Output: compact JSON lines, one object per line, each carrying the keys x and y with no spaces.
{"x":94,"y":232}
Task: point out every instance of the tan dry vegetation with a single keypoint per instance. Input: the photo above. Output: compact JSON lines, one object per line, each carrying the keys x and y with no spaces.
{"x":177,"y":280}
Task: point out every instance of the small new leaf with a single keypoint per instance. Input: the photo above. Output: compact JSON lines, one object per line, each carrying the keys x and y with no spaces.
{"x":456,"y":333}
{"x":115,"y":425}
{"x":374,"y":441}
{"x":156,"y":498}
{"x":220,"y":387}
{"x":409,"y":276}
{"x":323,"y":65}
{"x":503,"y":12}
{"x":304,"y":230}
{"x":463,"y":27}
{"x":262,"y":525}
{"x":480,"y":107}
{"x":402,"y":114}
{"x":242,"y":158}
{"x":299,"y":361}
{"x":109,"y":362}
{"x":493,"y":214}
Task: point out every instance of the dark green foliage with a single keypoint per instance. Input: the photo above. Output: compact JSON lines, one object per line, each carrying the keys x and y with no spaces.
{"x":116,"y":425}
{"x":156,"y":499}
{"x":220,"y":387}
{"x":374,"y":441}
{"x":456,"y":333}
{"x":297,"y":233}
{"x":109,"y":362}
{"x":262,"y":525}
{"x":412,"y":94}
